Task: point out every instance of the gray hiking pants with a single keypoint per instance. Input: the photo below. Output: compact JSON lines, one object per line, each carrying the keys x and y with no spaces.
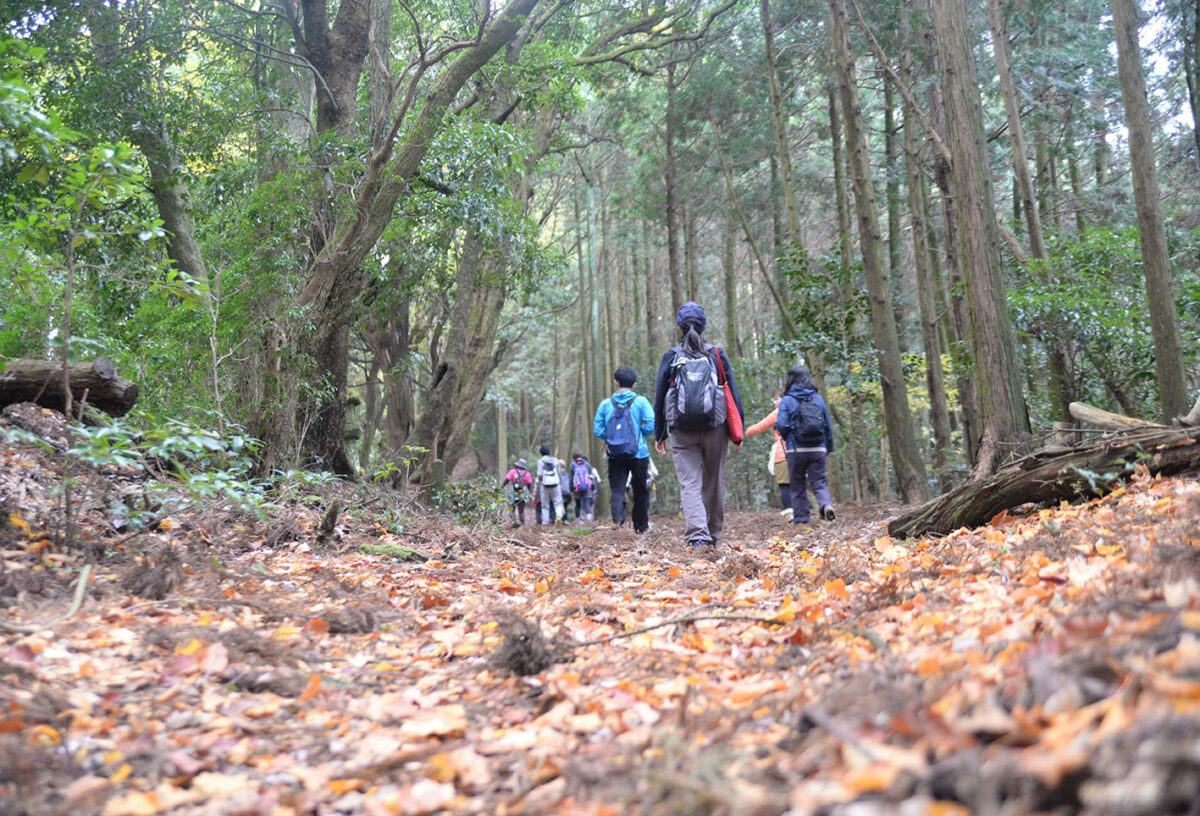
{"x":700,"y":467}
{"x":551,"y":495}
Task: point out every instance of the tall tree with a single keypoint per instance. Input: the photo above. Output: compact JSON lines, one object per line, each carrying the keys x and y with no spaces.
{"x":906,"y":457}
{"x":1001,"y":407}
{"x":1156,"y":266}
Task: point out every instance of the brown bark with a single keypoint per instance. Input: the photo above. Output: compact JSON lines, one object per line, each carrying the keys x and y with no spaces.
{"x":671,"y":182}
{"x":778,"y":119}
{"x":41,"y":381}
{"x":1156,"y":266}
{"x":337,"y":281}
{"x":1016,"y":131}
{"x":906,"y":458}
{"x":1002,"y":410}
{"x":1049,"y":477}
{"x":927,"y":299}
{"x":1106,"y":419}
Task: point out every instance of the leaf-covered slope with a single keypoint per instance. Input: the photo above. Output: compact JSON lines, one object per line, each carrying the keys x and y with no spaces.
{"x":1048,"y":661}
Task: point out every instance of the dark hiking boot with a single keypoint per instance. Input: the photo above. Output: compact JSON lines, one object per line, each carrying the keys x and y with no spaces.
{"x":827,"y":513}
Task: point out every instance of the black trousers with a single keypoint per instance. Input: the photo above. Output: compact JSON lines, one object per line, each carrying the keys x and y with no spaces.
{"x":618,"y":473}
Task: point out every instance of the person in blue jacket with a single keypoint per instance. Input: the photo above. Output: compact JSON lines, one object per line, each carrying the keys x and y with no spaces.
{"x":622,"y":421}
{"x":803,"y":424}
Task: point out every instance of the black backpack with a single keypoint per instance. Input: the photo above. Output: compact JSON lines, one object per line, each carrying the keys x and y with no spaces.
{"x":808,"y":428}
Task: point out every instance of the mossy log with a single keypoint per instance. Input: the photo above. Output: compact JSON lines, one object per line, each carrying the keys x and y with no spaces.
{"x":1048,"y":477}
{"x":41,"y":382}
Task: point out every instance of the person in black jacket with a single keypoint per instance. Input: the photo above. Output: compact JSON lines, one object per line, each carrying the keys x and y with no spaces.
{"x":699,"y":441}
{"x":803,"y":424}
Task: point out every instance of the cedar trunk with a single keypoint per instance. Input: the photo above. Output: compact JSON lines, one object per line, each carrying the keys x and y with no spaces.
{"x":909,"y":468}
{"x":1001,"y":408}
{"x":1168,"y":350}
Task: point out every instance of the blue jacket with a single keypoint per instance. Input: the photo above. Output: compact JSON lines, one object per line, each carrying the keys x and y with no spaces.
{"x":789,"y":406}
{"x":640,"y":410}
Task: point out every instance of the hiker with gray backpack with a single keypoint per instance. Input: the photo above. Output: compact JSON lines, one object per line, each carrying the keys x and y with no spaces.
{"x":623,"y":421}
{"x":699,"y":408}
{"x":804,"y":425}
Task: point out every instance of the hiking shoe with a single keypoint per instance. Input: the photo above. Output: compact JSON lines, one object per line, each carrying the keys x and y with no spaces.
{"x":700,"y":544}
{"x":827,"y":513}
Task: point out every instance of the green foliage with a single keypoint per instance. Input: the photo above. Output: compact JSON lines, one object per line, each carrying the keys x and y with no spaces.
{"x":177,"y":455}
{"x":480,"y":501}
{"x":1090,"y":297}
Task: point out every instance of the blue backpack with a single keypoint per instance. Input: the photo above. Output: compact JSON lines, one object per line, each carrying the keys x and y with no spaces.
{"x":620,"y":432}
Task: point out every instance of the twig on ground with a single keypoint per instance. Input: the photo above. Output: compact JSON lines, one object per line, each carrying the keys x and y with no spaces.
{"x":685,"y":619}
{"x":818,"y":717}
{"x":80,"y":589}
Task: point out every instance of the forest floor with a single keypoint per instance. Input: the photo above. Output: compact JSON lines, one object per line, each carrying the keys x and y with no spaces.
{"x":225,"y":663}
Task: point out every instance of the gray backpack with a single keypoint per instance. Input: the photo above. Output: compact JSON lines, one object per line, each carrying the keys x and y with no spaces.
{"x":694,"y":399}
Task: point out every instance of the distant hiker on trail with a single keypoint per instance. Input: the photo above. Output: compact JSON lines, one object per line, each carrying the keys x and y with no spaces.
{"x":549,"y":480}
{"x":778,"y":459}
{"x":622,"y":421}
{"x":520,"y":485}
{"x":690,"y":404}
{"x":804,"y":424}
{"x":564,"y":486}
{"x":583,"y":487}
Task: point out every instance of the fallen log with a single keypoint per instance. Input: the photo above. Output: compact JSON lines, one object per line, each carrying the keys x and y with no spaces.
{"x":41,"y":381}
{"x":1106,"y":419}
{"x":1046,"y":478}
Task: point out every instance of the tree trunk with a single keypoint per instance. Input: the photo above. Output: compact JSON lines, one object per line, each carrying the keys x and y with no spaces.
{"x":41,"y":381}
{"x":1191,"y":67}
{"x":1016,"y":132}
{"x":443,"y":383}
{"x":730,"y":275}
{"x":778,"y":121}
{"x":337,"y":281}
{"x":1001,"y":407}
{"x":671,"y":183}
{"x":1160,"y":290}
{"x":845,"y":234}
{"x":891,"y":172}
{"x":927,"y":298}
{"x":909,"y":468}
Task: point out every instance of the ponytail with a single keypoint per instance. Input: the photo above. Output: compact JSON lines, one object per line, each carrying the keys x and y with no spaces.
{"x":692,"y":342}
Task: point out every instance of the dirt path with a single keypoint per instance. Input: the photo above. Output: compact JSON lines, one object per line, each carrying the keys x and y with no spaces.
{"x":1050,"y":662}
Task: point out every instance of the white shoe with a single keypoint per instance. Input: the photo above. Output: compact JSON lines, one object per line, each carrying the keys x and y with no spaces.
{"x":786,"y":513}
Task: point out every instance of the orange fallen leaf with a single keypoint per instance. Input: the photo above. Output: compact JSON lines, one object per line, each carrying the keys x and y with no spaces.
{"x":317,"y":627}
{"x":134,"y":803}
{"x":312,"y":689}
{"x":340,"y":786}
{"x":837,"y":588}
{"x":929,"y":666}
{"x":429,"y":600}
{"x":674,"y":572}
{"x":190,"y":648}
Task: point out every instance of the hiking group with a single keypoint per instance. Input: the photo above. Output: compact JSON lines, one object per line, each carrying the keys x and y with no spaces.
{"x":696,"y":414}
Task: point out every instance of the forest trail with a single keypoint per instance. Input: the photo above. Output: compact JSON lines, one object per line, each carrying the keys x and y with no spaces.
{"x":1046,"y":661}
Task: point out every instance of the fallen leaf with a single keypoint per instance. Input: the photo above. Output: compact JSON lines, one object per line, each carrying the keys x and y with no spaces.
{"x":445,"y":721}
